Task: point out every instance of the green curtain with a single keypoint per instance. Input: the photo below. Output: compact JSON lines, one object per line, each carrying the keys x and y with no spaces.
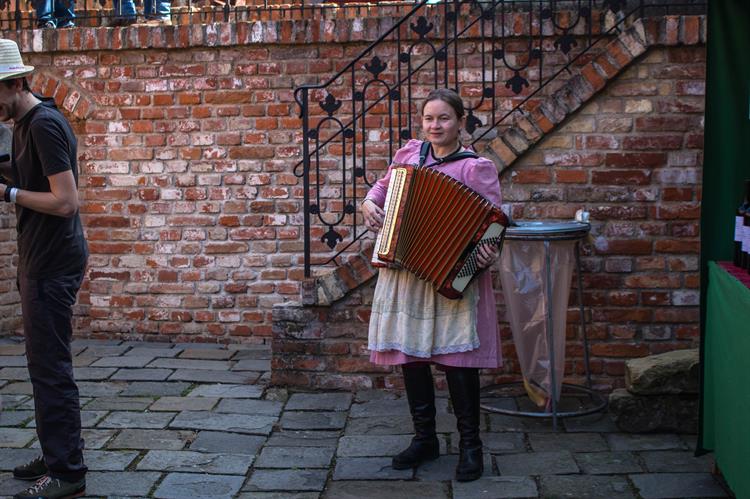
{"x":726,"y":162}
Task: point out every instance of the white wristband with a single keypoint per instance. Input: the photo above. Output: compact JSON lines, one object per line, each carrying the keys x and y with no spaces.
{"x":13,"y":194}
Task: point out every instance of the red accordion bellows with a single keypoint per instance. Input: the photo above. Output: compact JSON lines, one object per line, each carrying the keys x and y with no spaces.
{"x":433,"y":226}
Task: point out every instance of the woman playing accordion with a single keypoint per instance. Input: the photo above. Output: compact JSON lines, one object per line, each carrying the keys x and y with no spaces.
{"x":414,"y":326}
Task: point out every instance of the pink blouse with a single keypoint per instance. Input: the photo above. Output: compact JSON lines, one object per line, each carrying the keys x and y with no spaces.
{"x":479,"y":174}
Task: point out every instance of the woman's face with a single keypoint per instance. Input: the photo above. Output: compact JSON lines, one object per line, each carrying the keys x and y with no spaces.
{"x":440,"y":124}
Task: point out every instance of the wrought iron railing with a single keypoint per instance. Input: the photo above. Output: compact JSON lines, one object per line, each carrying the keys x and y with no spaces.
{"x":521,"y":47}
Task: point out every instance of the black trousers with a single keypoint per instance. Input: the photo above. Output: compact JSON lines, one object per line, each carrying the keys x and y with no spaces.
{"x":47,"y":307}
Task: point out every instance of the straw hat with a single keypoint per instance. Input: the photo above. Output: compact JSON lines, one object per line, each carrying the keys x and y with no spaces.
{"x":11,"y":64}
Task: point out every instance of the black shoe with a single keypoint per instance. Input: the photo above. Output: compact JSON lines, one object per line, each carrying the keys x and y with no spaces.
{"x":463,"y":385}
{"x":53,"y":488}
{"x":418,"y":452}
{"x":470,"y":464}
{"x":420,"y":392}
{"x":33,"y":470}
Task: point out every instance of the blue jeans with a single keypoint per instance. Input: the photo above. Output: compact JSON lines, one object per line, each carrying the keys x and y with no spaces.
{"x":152,"y":9}
{"x":59,"y":12}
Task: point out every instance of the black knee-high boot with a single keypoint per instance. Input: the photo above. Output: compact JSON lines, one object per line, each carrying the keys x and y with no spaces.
{"x":420,"y":392}
{"x":463,"y":385}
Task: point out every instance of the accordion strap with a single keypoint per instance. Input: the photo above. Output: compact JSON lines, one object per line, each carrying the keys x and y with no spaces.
{"x":458,"y":155}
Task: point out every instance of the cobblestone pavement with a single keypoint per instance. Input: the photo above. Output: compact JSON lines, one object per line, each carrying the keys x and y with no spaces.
{"x":190,"y":421}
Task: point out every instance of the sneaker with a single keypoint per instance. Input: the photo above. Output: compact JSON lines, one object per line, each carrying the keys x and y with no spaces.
{"x":33,"y":470}
{"x":53,"y":488}
{"x":47,"y":25}
{"x":66,"y":24}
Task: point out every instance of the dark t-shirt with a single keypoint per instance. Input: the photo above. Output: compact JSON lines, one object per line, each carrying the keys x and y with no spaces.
{"x":43,"y":145}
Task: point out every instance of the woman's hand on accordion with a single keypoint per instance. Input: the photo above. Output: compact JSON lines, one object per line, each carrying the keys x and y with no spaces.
{"x":373,"y":215}
{"x":487,"y":254}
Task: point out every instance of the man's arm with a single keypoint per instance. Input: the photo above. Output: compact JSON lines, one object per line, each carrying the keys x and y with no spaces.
{"x":62,"y":201}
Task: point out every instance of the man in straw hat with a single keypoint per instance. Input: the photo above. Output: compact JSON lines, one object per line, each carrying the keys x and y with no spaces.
{"x":52,"y":255}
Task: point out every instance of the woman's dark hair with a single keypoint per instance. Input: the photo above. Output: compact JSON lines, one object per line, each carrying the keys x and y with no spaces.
{"x":11,"y":81}
{"x":448,"y":96}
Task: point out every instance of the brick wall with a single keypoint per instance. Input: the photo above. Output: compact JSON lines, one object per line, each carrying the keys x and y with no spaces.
{"x":193,"y":213}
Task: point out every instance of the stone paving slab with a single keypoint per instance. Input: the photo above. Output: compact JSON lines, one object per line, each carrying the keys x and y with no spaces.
{"x":496,"y":487}
{"x":184,"y":404}
{"x":198,"y":486}
{"x":501,"y":422}
{"x":145,"y":374}
{"x":144,"y":420}
{"x":303,"y":438}
{"x":112,"y":484}
{"x":252,"y":365}
{"x":192,"y":364}
{"x":152,"y":439}
{"x":206,"y":354}
{"x":599,"y":422}
{"x":300,"y":420}
{"x":573,"y":442}
{"x":586,"y":487}
{"x":238,"y":423}
{"x":207,"y":376}
{"x":368,"y":468}
{"x":10,"y":486}
{"x":395,"y":425}
{"x":23,"y":388}
{"x":233,"y":443}
{"x":152,"y":351}
{"x":11,"y":401}
{"x":14,"y":373}
{"x":84,"y":361}
{"x":196,"y":462}
{"x":10,"y":458}
{"x":227,"y":391}
{"x":12,"y":361}
{"x":154,"y":389}
{"x":96,"y":439}
{"x":257,"y":354}
{"x":319,"y":402}
{"x":250,"y":406}
{"x":100,"y":389}
{"x":676,"y":485}
{"x":15,"y":418}
{"x":293,"y":480}
{"x":536,"y":463}
{"x":278,"y":495}
{"x":295,"y":457}
{"x":12,"y":349}
{"x":124,"y":361}
{"x":119,"y":404}
{"x":606,"y":463}
{"x":94,"y":373}
{"x":637,"y":442}
{"x":100,"y":460}
{"x":390,"y":490}
{"x":676,"y":461}
{"x":16,"y":437}
{"x":104,"y":350}
{"x":375,"y":445}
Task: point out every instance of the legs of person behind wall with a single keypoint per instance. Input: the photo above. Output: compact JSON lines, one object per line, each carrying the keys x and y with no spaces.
{"x":463,"y":385}
{"x":420,"y":392}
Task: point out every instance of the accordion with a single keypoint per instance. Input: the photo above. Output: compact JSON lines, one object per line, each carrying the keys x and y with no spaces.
{"x":433,"y":227}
